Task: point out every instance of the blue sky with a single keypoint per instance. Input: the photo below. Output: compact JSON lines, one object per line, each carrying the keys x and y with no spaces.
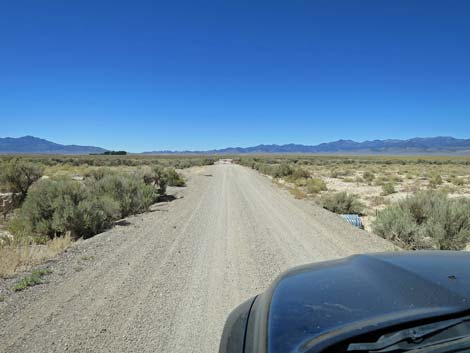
{"x":152,"y":75}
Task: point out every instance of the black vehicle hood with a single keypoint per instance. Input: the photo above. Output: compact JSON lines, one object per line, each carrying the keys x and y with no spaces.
{"x":311,"y":307}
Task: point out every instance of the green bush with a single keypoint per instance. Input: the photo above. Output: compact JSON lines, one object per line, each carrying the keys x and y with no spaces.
{"x":33,"y":279}
{"x":368,"y":176}
{"x":458,"y":181}
{"x":173,"y":178}
{"x":388,"y":189}
{"x":98,"y":173}
{"x":18,"y":175}
{"x":342,"y":203}
{"x":395,"y":179}
{"x":315,"y":185}
{"x":358,"y":179}
{"x":158,"y":179}
{"x":427,"y":220}
{"x":132,"y":194}
{"x":301,"y":182}
{"x":281,"y":170}
{"x":54,"y":207}
{"x":435,"y":180}
{"x":381,"y":180}
{"x":161,"y":177}
{"x":299,"y":173}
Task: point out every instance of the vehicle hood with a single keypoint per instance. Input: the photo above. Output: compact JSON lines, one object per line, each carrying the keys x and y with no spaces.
{"x":312,"y":307}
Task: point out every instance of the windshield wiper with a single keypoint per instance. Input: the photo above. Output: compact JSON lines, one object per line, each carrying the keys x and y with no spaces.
{"x":392,"y":342}
{"x":453,"y":346}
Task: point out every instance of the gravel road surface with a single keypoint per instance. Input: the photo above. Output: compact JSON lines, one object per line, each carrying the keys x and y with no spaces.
{"x":166,"y":280}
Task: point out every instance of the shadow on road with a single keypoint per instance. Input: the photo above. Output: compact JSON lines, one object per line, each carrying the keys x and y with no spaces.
{"x":166,"y":198}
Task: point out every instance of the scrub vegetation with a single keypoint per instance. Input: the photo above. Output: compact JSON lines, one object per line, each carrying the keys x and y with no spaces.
{"x":36,"y":277}
{"x":416,"y":202}
{"x":342,"y":203}
{"x":427,"y":220}
{"x":55,"y":200}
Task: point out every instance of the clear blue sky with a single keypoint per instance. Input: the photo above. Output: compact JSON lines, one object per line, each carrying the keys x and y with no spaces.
{"x":151,"y":75}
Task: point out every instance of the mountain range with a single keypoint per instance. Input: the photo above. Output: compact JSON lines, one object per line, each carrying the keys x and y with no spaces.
{"x":415,"y":146}
{"x":34,"y":145}
{"x":440,"y":145}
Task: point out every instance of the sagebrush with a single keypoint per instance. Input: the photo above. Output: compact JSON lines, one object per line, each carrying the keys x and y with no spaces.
{"x":427,"y":220}
{"x":17,"y":175}
{"x":56,"y":206}
{"x":342,"y":203}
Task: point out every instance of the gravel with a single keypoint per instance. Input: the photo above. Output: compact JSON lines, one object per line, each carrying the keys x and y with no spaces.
{"x":166,"y":280}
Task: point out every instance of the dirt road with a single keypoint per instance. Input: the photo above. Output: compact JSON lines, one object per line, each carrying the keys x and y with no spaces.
{"x":166,"y":281}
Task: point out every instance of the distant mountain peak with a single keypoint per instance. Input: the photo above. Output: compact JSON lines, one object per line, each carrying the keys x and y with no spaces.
{"x":34,"y":145}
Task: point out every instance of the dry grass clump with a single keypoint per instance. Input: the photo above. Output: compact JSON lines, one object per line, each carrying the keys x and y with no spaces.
{"x":16,"y":258}
{"x":59,"y":244}
{"x":376,"y":201}
{"x":298,"y":194}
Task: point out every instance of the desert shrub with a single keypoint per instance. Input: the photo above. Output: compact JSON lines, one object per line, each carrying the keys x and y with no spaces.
{"x":342,"y":203}
{"x":275,"y":170}
{"x":338,"y":173}
{"x":205,"y":161}
{"x":315,"y":185}
{"x":435,"y":180}
{"x":427,"y":220}
{"x":388,"y":189}
{"x":358,"y":179}
{"x":334,"y":173}
{"x":55,"y":207}
{"x":457,"y":181}
{"x":247,"y":162}
{"x":159,"y":179}
{"x":395,"y":179}
{"x":381,"y":180}
{"x":132,"y":194}
{"x":145,"y":174}
{"x":18,"y":175}
{"x":377,"y":201}
{"x":173,"y":178}
{"x":298,"y":194}
{"x":281,"y":170}
{"x":397,"y":225}
{"x":301,"y":182}
{"x":98,"y":173}
{"x":299,"y":173}
{"x":92,"y":216}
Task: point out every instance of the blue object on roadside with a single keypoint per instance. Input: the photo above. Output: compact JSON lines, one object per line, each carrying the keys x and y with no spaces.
{"x":353,"y":219}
